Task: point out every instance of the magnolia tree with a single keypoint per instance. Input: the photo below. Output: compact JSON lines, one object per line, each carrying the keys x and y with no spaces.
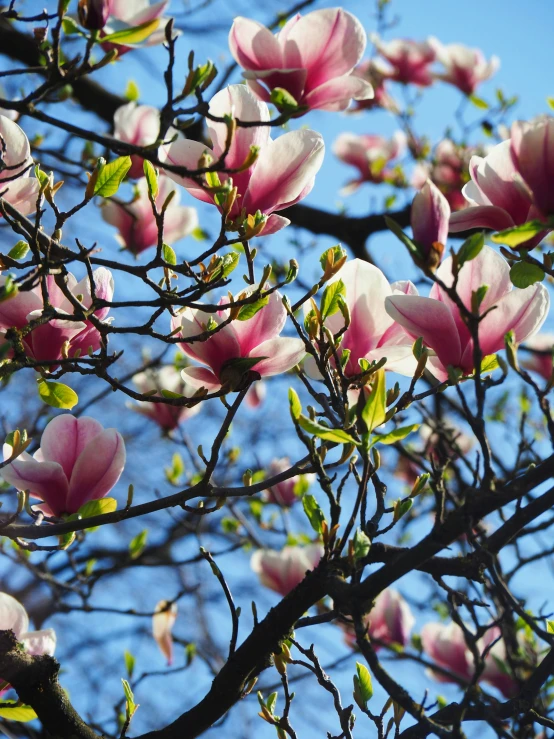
{"x":248,"y":472}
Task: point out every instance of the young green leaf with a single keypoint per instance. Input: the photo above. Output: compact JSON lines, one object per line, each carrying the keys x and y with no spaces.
{"x":363,"y":686}
{"x":323,"y":432}
{"x":518,"y":235}
{"x":57,"y":395}
{"x":133,"y":34}
{"x":169,"y":255}
{"x":97,"y":507}
{"x":151,"y":175}
{"x":111,"y":176}
{"x":374,"y":411}
{"x":137,"y":544}
{"x":295,"y":404}
{"x":314,"y":513}
{"x":330,"y":299}
{"x":471,"y":248}
{"x":523,"y":274}
{"x":397,"y":435}
{"x":14,"y":711}
{"x":129,"y":662}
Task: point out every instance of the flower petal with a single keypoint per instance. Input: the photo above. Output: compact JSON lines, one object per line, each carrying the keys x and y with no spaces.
{"x":282,"y":355}
{"x":12,"y":615}
{"x":97,"y":469}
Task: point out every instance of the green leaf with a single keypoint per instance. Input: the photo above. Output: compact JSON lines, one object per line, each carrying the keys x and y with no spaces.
{"x":401,"y":507}
{"x":518,"y":235}
{"x":314,"y":512}
{"x":9,"y":289}
{"x":283,"y":100}
{"x":489,"y":363}
{"x":70,"y":28}
{"x":133,"y":34}
{"x":399,"y":233}
{"x":471,"y":248}
{"x":137,"y":544}
{"x":332,"y":255}
{"x":129,"y":662}
{"x":362,"y":544}
{"x":97,"y":507}
{"x":330,"y":300}
{"x":550,"y":102}
{"x":14,"y":711}
{"x":295,"y":404}
{"x":479,"y":102}
{"x":550,"y":627}
{"x":393,"y":436}
{"x":523,"y":274}
{"x":374,"y":411}
{"x":271,"y":702}
{"x":169,"y":255}
{"x":249,"y":311}
{"x":363,"y":687}
{"x":57,"y":395}
{"x":130,"y":706}
{"x":151,"y":175}
{"x":19,"y":250}
{"x":323,"y":432}
{"x":132,"y":91}
{"x":111,"y":176}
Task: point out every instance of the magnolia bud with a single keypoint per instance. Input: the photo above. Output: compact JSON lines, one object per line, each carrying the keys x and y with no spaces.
{"x":93,"y":14}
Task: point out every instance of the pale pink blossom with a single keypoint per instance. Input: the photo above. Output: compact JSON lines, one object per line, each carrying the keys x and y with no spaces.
{"x":135,"y":221}
{"x":390,"y":621}
{"x":78,"y":461}
{"x":372,"y":72}
{"x":372,"y":334}
{"x":232,"y":351}
{"x":496,"y":199}
{"x":163,"y":621}
{"x":60,"y":336}
{"x":532,"y":149}
{"x":371,"y":155}
{"x":255,"y":396}
{"x":429,"y":220}
{"x":13,"y":617}
{"x":311,"y":57}
{"x":446,"y":645}
{"x":283,"y":571}
{"x":282,"y":174}
{"x":126,"y":14}
{"x":138,"y":125}
{"x":539,"y":359}
{"x":284,"y":493}
{"x":409,"y":61}
{"x":438,"y":320}
{"x":168,"y":417}
{"x":448,"y":170}
{"x":17,"y":186}
{"x":465,"y":68}
{"x":444,"y":442}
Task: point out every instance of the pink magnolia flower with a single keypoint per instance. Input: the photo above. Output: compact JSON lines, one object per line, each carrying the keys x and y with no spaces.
{"x":138,"y":125}
{"x":93,"y":14}
{"x":438,"y":320}
{"x":409,"y":60}
{"x":282,"y":174}
{"x":163,"y":621}
{"x":168,"y":417}
{"x":78,"y":461}
{"x":311,"y":57}
{"x":390,"y":621}
{"x":284,"y":493}
{"x":445,"y":644}
{"x":255,"y":395}
{"x":465,"y":68}
{"x":372,"y":72}
{"x":13,"y":617}
{"x":370,"y":154}
{"x":232,"y":351}
{"x":135,"y":221}
{"x":540,"y":358}
{"x":429,"y":220}
{"x":448,"y":170}
{"x":126,"y":15}
{"x":16,"y":184}
{"x":496,"y":200}
{"x":283,"y":571}
{"x":51,"y":340}
{"x":372,"y":334}
{"x":532,"y":149}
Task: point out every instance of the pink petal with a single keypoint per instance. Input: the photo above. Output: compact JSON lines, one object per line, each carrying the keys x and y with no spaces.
{"x":201,"y":377}
{"x":12,"y":615}
{"x":480,"y":216}
{"x":336,"y":94}
{"x":97,"y":469}
{"x":186,"y":153}
{"x":14,"y":312}
{"x":429,"y":216}
{"x":282,"y":355}
{"x":40,"y":642}
{"x":215,"y":351}
{"x":162,"y":626}
{"x":22,"y":193}
{"x":253,"y":46}
{"x":65,"y":437}
{"x":328,"y":43}
{"x":17,"y":148}
{"x":264,"y":325}
{"x":429,"y":319}
{"x":285,"y":169}
{"x":273,"y":224}
{"x":44,"y":480}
